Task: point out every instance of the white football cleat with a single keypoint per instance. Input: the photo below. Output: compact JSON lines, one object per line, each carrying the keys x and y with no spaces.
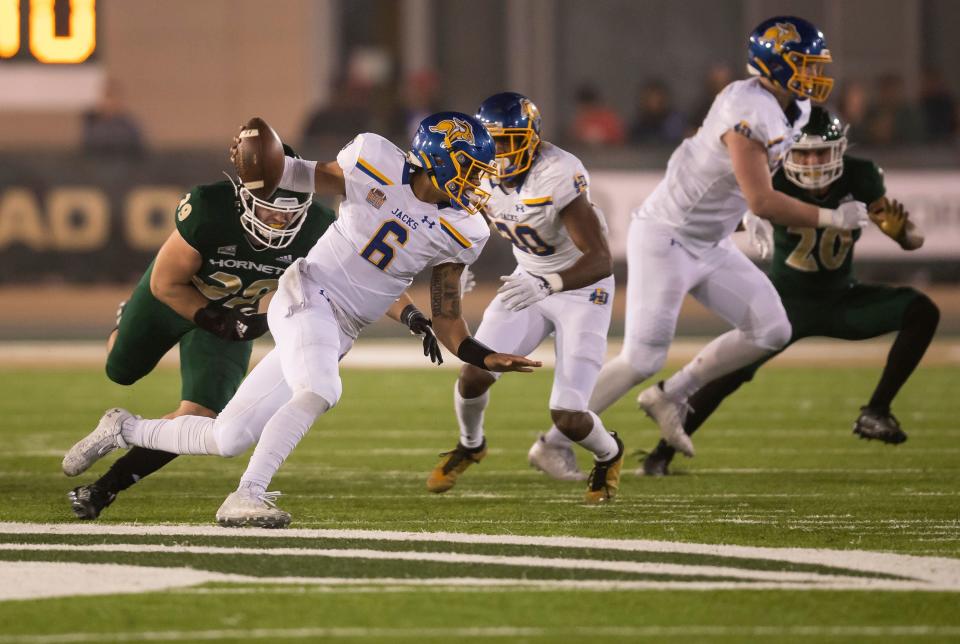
{"x":245,"y":508}
{"x":101,"y":441}
{"x":556,"y":461}
{"x":669,"y":415}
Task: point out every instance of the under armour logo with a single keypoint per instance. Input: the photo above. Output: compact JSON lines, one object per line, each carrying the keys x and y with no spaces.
{"x":519,"y":207}
{"x":426,"y":220}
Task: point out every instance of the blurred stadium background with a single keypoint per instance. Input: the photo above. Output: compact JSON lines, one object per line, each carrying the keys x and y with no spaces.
{"x":105,"y":124}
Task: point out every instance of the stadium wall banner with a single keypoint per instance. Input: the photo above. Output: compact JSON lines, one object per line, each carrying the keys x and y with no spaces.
{"x":73,"y":219}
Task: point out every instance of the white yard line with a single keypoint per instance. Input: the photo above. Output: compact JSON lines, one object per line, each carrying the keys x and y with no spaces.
{"x":930,"y":572}
{"x":632,"y":567}
{"x":506,"y":632}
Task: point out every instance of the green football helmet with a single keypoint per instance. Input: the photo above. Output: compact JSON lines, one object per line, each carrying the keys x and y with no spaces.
{"x":293,"y":205}
{"x":824,"y":131}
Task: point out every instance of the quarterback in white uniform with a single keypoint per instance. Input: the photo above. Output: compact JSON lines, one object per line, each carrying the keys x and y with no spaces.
{"x":679,"y":238}
{"x":400,"y":214}
{"x":563,"y":284}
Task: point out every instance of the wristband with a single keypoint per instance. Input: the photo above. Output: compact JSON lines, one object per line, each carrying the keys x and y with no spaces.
{"x":554,"y":281}
{"x":825,"y":218}
{"x":473,"y":352}
{"x":298,"y":175}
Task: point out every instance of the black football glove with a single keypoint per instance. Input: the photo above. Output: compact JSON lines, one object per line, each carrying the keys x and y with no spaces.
{"x":418,"y":324}
{"x":230,"y":324}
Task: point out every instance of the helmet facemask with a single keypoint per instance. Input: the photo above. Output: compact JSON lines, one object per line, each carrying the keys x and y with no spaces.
{"x":812,"y":176}
{"x":808,"y":79}
{"x":293,"y":208}
{"x":519,"y":144}
{"x":463,"y":188}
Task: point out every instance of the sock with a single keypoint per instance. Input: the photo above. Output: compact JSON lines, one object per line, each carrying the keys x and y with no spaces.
{"x":600,"y":441}
{"x":254,"y":489}
{"x":555,"y":437}
{"x":280,"y":435}
{"x":181,"y":435}
{"x":616,"y":378}
{"x":919,"y":324}
{"x":722,"y":355}
{"x":470,"y":417}
{"x":133,"y":466}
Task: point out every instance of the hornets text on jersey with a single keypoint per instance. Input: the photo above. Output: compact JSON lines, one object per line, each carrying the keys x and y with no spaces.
{"x":236,"y":272}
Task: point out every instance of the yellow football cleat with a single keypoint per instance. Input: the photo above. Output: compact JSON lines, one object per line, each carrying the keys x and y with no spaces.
{"x":452,"y":465}
{"x":604,"y":478}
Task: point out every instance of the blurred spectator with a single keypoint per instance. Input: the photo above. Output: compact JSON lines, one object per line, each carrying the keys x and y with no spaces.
{"x":852,"y":105}
{"x":656,"y":121}
{"x":419,"y":100}
{"x":109,"y":129}
{"x":347,"y":113}
{"x":718,"y":76}
{"x":891,"y":120}
{"x":595,"y":123}
{"x":938,"y":107}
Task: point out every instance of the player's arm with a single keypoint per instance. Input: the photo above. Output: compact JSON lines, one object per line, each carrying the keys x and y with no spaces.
{"x":171,"y":280}
{"x":406,"y":313}
{"x":583,"y":226}
{"x":451,"y":328}
{"x":894,"y":221}
{"x":749,"y":161}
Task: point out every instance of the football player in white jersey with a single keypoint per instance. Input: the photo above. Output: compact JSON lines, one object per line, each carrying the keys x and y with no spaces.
{"x":401,"y":212}
{"x":563,"y":284}
{"x":679,"y":238}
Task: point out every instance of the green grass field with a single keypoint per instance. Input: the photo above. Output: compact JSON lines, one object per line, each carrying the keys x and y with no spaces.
{"x":776,"y":468}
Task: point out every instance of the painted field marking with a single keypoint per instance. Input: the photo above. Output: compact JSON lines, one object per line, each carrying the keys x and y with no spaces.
{"x":932,"y":573}
{"x":506,"y":632}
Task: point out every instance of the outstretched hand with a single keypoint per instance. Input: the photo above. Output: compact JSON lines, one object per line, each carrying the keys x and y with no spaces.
{"x":502,"y":362}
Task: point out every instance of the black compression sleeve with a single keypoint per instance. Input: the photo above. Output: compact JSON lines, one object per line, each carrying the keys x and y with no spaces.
{"x":473,"y":352}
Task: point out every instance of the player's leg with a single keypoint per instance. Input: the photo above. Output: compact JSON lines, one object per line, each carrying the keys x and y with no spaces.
{"x":211,"y":371}
{"x":867,"y":311}
{"x":581,"y":340}
{"x":659,"y":274}
{"x":145,"y":331}
{"x":506,"y":331}
{"x":310,"y":343}
{"x":740,"y":293}
{"x":702,"y":404}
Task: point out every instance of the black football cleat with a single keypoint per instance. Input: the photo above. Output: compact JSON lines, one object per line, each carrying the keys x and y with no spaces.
{"x":879,"y":425}
{"x":657,"y":462}
{"x":88,"y":501}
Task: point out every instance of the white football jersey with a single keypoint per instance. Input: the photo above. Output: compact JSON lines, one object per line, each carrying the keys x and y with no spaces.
{"x":529,"y":215}
{"x":699,"y":195}
{"x":384,"y":236}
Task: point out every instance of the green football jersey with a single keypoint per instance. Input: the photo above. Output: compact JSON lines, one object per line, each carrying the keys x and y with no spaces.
{"x":235,"y":271}
{"x":811,"y":259}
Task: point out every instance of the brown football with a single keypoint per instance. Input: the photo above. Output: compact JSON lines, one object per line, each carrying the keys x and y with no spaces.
{"x":259,"y":157}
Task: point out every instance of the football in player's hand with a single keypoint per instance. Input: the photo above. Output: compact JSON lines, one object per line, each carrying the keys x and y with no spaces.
{"x":257,"y":154}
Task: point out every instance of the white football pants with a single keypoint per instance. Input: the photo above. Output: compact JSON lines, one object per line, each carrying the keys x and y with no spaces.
{"x":580,"y":318}
{"x":660,"y":272}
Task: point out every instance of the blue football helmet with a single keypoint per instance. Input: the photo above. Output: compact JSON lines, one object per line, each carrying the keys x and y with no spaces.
{"x":458,"y":153}
{"x":791,"y":53}
{"x":514,"y":122}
